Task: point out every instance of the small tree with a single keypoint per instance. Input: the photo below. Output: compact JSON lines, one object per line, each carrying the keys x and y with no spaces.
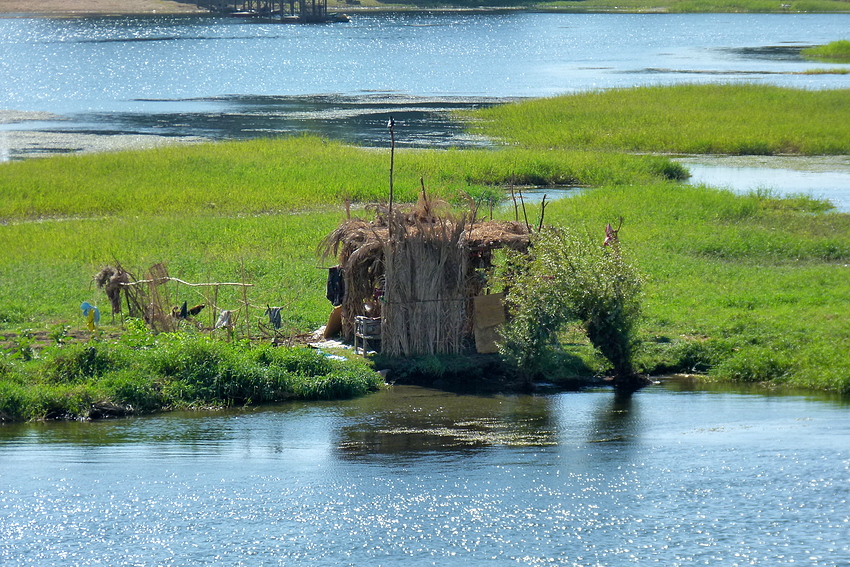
{"x":567,"y":278}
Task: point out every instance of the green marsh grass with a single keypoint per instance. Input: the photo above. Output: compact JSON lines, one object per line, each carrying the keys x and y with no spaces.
{"x":174,"y":371}
{"x":751,"y":288}
{"x":746,"y":287}
{"x":48,"y":266}
{"x":683,"y":119}
{"x":285,"y":175}
{"x":701,"y":6}
{"x":833,"y":52}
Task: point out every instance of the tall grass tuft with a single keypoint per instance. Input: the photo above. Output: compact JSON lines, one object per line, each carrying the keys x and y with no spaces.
{"x":833,"y":52}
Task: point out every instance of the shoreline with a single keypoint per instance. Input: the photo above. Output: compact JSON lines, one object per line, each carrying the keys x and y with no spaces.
{"x":81,"y":8}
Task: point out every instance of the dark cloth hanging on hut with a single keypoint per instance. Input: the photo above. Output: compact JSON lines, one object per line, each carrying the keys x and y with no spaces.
{"x":336,"y":286}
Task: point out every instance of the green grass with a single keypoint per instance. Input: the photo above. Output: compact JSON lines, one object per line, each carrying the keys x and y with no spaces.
{"x":584,"y":6}
{"x":701,"y":6}
{"x":826,"y":72}
{"x":690,"y":119}
{"x":48,"y":266}
{"x":750,"y":288}
{"x":834,"y":52}
{"x":266,"y":176}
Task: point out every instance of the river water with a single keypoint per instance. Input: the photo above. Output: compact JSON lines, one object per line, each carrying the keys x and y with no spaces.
{"x":669,"y":476}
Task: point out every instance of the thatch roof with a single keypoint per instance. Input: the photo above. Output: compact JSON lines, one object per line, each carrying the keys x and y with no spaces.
{"x":355,"y":239}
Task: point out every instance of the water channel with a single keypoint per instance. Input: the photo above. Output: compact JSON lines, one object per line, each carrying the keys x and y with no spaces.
{"x":669,"y":476}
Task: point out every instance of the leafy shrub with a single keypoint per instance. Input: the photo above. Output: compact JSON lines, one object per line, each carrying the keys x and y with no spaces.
{"x":131,"y":388}
{"x":77,"y":362}
{"x":13,"y":400}
{"x":567,"y":278}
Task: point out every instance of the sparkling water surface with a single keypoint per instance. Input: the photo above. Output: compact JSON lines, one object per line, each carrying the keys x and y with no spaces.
{"x":668,"y":476}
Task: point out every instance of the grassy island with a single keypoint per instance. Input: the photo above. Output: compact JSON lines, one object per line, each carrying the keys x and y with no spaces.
{"x":750,"y":288}
{"x":833,"y":52}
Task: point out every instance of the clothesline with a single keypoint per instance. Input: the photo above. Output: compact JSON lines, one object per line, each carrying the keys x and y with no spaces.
{"x":170,"y":279}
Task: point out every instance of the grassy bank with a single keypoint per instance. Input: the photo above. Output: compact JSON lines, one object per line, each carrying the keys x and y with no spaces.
{"x":284,"y":175}
{"x":685,"y":119}
{"x":748,"y":288}
{"x":616,"y":6}
{"x":701,"y":6}
{"x":141,"y":373}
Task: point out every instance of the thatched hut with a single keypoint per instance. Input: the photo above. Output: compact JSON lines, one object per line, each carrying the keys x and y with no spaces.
{"x":419,"y":270}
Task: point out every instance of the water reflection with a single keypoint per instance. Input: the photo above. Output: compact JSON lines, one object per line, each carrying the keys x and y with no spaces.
{"x":616,"y":420}
{"x":415,"y":421}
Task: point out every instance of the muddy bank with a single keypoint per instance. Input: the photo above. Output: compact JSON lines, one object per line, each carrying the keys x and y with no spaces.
{"x":16,"y":145}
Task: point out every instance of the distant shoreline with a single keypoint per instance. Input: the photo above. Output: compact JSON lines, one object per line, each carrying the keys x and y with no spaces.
{"x":82,"y":8}
{"x":65,"y":8}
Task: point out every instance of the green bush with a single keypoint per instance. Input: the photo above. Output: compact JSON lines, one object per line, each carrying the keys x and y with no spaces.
{"x":569,"y":278}
{"x":79,"y":362}
{"x":171,"y":370}
{"x":133,"y":389}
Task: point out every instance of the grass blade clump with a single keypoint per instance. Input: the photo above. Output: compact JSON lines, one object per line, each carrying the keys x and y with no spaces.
{"x":833,"y":52}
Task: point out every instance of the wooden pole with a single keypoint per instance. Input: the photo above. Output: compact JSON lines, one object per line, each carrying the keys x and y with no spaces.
{"x":391,"y":127}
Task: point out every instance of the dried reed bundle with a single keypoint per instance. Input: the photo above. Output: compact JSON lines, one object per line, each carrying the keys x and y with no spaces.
{"x":425,"y":304}
{"x":110,"y":279}
{"x":157,"y":313}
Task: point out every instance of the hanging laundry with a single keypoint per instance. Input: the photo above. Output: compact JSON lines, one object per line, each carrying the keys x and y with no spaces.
{"x":336,"y":286}
{"x":274,"y":316}
{"x":224,"y":319}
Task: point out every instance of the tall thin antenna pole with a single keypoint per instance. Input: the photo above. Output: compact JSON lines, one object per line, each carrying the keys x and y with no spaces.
{"x":390,"y":126}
